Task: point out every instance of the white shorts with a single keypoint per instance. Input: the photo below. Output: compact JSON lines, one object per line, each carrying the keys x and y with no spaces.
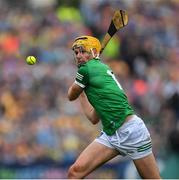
{"x":132,"y":139}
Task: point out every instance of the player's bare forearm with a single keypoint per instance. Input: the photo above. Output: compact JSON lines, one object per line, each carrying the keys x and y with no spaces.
{"x":88,"y":109}
{"x":74,"y":91}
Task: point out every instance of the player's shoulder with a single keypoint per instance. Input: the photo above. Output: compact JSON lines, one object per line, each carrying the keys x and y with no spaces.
{"x":83,"y":69}
{"x":87,"y":64}
{"x":99,"y":63}
{"x":94,"y":62}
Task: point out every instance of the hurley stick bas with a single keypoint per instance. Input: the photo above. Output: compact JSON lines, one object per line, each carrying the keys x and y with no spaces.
{"x":119,"y":20}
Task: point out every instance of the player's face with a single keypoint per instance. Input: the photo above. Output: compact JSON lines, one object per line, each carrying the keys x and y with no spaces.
{"x":81,"y":56}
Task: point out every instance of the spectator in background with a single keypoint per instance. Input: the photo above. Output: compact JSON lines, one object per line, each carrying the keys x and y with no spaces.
{"x":172,"y":157}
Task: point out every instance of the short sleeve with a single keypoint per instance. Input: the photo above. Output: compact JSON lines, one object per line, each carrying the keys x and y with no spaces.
{"x":82,"y":76}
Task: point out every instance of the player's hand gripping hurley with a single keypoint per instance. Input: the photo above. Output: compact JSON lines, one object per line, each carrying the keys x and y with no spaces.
{"x":119,"y":20}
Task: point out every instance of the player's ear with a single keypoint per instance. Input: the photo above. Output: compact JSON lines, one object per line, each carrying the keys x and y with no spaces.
{"x":94,"y":53}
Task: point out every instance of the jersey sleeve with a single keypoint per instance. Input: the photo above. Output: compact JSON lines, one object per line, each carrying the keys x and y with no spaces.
{"x":82,"y":76}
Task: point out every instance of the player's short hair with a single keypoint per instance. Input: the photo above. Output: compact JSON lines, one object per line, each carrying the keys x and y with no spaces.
{"x":88,"y":43}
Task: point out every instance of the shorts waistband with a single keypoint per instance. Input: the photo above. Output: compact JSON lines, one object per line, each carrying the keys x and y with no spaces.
{"x":130,"y":120}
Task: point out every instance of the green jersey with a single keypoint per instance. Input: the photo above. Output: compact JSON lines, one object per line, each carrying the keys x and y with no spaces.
{"x":104,"y":93}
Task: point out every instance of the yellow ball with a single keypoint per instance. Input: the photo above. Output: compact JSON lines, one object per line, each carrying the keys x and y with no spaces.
{"x":31,"y":60}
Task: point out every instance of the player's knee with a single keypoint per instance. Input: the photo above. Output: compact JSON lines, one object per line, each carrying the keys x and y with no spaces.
{"x":75,"y":171}
{"x":71,"y":172}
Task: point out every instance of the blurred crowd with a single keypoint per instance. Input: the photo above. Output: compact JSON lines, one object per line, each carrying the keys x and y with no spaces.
{"x":37,"y":122}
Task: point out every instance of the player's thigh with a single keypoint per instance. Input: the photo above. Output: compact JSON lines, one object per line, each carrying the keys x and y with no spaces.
{"x":147,"y":167}
{"x":94,"y":155}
